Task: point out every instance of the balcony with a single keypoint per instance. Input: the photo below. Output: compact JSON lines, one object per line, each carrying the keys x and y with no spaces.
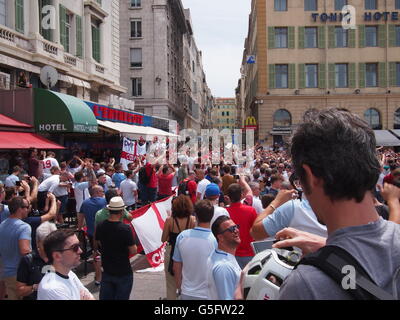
{"x":13,"y":38}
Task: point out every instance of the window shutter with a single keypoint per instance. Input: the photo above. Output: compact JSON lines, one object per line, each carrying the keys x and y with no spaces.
{"x":352,"y":75}
{"x":361,"y":36}
{"x":271,"y":37}
{"x":392,"y":35}
{"x":322,"y":75}
{"x":361,"y":75}
{"x":392,"y":74}
{"x":96,"y":43}
{"x":19,"y":15}
{"x":331,"y":37}
{"x":382,"y":74}
{"x":331,"y":75}
{"x":63,"y":27}
{"x":291,"y":44}
{"x":302,"y":75}
{"x":351,"y":38}
{"x":79,"y":37}
{"x":292,"y":76}
{"x":321,"y":37}
{"x":271,"y":76}
{"x":382,"y":35}
{"x":301,"y":37}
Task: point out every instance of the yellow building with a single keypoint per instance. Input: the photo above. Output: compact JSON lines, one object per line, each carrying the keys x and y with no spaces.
{"x":224,"y":114}
{"x":306,"y":57}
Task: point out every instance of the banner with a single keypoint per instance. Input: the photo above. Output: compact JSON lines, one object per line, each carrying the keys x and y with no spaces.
{"x":148,"y":223}
{"x":128,"y":152}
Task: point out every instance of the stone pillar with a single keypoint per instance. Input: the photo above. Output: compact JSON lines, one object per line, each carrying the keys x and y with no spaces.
{"x":10,"y":18}
{"x":34,"y":19}
{"x":56,"y":32}
{"x":88,"y":36}
{"x":103,"y":43}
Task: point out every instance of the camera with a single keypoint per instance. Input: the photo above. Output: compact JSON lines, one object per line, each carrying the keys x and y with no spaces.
{"x":236,"y":176}
{"x":18,"y":183}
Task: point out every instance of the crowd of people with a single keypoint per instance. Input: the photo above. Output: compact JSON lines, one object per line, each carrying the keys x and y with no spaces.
{"x":331,"y":187}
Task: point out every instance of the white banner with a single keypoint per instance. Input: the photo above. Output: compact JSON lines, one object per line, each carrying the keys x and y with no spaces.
{"x":149,"y":224}
{"x":128,"y":152}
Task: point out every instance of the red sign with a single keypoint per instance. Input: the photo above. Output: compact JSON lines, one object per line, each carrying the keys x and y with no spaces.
{"x":105,"y":113}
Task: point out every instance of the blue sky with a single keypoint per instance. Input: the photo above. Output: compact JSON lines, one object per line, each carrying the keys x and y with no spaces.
{"x":220,"y":28}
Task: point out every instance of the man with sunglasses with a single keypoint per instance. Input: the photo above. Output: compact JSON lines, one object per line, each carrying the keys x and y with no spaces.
{"x":223,"y":269}
{"x":15,"y":242}
{"x":60,"y":283}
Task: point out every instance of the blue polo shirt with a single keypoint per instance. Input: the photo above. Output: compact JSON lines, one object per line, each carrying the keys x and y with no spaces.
{"x":89,"y":208}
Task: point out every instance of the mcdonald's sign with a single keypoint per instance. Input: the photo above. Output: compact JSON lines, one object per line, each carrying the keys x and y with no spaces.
{"x":251,"y":123}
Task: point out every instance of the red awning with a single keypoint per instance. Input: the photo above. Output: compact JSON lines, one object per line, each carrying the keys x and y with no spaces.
{"x":7,"y":121}
{"x":25,"y":140}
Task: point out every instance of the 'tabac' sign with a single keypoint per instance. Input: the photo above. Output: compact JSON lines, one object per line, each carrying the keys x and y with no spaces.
{"x":251,"y":123}
{"x":106,"y":113}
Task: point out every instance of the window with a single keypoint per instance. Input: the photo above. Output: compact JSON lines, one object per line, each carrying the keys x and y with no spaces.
{"x":3,"y":12}
{"x":398,"y":74}
{"x":96,"y":43}
{"x":341,"y":75}
{"x":136,"y":3}
{"x":339,"y":4}
{"x":373,"y":118}
{"x":281,"y":35}
{"x":223,"y":113}
{"x":136,"y":87}
{"x":136,"y":57}
{"x":311,"y":75}
{"x":136,"y":28}
{"x":280,"y":5}
{"x":310,"y":37}
{"x":397,"y":4}
{"x":397,"y":31}
{"x":227,"y":113}
{"x":341,"y":37}
{"x":19,"y":15}
{"x":370,"y":5}
{"x":281,"y":76}
{"x":45,"y":31}
{"x":371,"y":74}
{"x":310,"y":5}
{"x":397,"y":119}
{"x":68,"y":19}
{"x":282,"y":119}
{"x":371,"y":36}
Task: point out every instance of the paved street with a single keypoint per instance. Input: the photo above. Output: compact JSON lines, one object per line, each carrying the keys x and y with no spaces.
{"x":146,"y":285}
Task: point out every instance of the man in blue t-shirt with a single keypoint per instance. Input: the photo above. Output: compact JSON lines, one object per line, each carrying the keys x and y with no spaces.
{"x":118,"y":176}
{"x":87,"y":214}
{"x":15,"y":242}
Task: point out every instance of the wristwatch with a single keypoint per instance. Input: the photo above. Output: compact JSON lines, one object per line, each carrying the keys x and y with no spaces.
{"x":34,"y":287}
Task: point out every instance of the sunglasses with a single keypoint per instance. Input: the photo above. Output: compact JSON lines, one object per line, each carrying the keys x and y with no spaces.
{"x":75,"y":248}
{"x":231,"y":229}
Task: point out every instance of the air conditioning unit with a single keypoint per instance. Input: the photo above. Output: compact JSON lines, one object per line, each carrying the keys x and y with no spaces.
{"x":4,"y":81}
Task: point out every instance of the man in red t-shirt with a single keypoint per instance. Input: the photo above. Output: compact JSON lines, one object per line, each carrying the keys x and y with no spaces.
{"x":165,"y":177}
{"x":151,"y":186}
{"x":244,"y":216}
{"x":191,"y":186}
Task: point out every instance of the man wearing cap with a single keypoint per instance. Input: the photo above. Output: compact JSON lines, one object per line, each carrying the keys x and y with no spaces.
{"x":212,"y":194}
{"x":116,"y":242}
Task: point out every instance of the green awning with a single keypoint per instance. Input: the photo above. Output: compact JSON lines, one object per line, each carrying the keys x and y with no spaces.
{"x":60,"y":113}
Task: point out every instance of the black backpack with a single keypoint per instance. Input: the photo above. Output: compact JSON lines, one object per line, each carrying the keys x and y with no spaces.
{"x":144,"y":179}
{"x":332,"y":259}
{"x":183,"y":188}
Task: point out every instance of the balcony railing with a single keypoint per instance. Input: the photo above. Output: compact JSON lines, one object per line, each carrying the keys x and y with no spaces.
{"x":50,"y":48}
{"x":70,"y":60}
{"x":100,"y":69}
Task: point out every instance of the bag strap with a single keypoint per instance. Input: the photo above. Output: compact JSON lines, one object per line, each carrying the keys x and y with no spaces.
{"x":332,"y":259}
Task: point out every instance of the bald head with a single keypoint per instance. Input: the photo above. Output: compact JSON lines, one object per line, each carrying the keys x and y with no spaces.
{"x":96,"y":191}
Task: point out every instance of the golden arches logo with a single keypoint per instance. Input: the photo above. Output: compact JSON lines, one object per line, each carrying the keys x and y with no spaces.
{"x":251,"y":121}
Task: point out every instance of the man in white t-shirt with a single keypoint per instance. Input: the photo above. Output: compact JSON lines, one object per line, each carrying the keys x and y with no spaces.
{"x":257,"y":204}
{"x":60,"y":190}
{"x":60,"y":283}
{"x":49,"y":162}
{"x":81,"y":190}
{"x":44,"y":187}
{"x":212,"y":193}
{"x":202,"y":184}
{"x":128,"y":190}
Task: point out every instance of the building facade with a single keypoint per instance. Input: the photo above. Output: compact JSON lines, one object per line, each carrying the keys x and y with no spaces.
{"x":306,"y":59}
{"x":71,"y":36}
{"x":224,"y":113}
{"x":164,"y":73}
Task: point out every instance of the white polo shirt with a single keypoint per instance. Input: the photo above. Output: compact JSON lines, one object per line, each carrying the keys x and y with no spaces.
{"x":201,"y":187}
{"x":127,"y":188}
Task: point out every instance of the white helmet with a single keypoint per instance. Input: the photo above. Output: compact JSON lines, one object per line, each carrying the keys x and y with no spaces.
{"x":266,"y":273}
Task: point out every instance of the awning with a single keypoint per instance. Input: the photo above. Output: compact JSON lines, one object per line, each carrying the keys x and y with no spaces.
{"x":9,"y":122}
{"x":134,"y":132}
{"x":58,"y":112}
{"x":386,"y":139}
{"x":25,"y":140}
{"x":75,"y":81}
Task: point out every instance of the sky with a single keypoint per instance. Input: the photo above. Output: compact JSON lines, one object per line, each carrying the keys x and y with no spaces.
{"x":219,"y":29}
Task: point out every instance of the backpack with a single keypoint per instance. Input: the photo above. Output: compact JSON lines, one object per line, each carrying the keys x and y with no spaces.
{"x":332,"y":259}
{"x":183,"y":188}
{"x":144,"y":179}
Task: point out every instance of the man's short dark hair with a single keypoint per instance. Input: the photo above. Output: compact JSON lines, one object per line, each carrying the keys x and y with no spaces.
{"x":339,"y":147}
{"x":204,"y":210}
{"x":215,"y":228}
{"x":111,"y":193}
{"x":235,"y":192}
{"x":16,"y":203}
{"x":227,"y":169}
{"x":56,"y":241}
{"x":78,"y":176}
